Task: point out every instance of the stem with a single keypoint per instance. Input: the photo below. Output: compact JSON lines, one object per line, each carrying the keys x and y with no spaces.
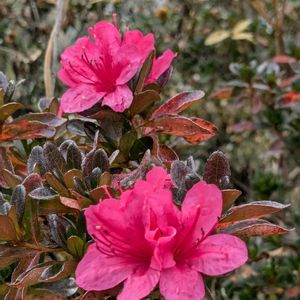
{"x":51,"y":51}
{"x":278,"y":26}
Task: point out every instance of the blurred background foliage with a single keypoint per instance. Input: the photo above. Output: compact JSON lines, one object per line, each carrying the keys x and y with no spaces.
{"x":244,"y":55}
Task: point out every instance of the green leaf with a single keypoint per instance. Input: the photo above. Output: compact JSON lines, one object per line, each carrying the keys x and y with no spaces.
{"x":144,"y":72}
{"x":76,"y":246}
{"x":139,"y":147}
{"x":127,"y":141}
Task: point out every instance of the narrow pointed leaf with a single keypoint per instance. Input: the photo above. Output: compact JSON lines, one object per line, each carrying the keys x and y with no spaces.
{"x":8,"y":109}
{"x":18,"y":200}
{"x":254,"y":228}
{"x":229,"y":197}
{"x":253,"y":210}
{"x":178,"y":103}
{"x":144,"y":72}
{"x":23,"y":130}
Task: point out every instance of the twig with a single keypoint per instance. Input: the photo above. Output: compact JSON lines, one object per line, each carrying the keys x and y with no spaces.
{"x":52,"y":49}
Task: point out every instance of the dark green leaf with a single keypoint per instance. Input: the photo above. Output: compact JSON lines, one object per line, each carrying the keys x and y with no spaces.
{"x":36,"y":159}
{"x":54,"y":159}
{"x":18,"y":200}
{"x":73,"y":157}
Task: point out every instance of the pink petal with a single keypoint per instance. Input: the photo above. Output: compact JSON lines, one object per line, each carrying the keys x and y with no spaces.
{"x":144,"y":44}
{"x":74,"y":69}
{"x":206,"y":201}
{"x":97,"y":272}
{"x":108,"y":212}
{"x":160,"y":65}
{"x":123,"y":223}
{"x":219,"y":254}
{"x":127,"y":63}
{"x":67,"y":78}
{"x":80,"y":98}
{"x":106,"y":36}
{"x":163,"y":256}
{"x":158,"y":178}
{"x":181,"y":284}
{"x":120,"y":99}
{"x":138,"y":286}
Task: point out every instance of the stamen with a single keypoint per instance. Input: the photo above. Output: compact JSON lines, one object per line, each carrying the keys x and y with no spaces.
{"x":80,"y":74}
{"x":115,"y":19}
{"x":120,"y":187}
{"x":107,"y":191}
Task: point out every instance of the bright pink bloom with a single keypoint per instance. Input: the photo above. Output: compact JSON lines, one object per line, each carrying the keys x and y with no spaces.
{"x":160,"y":65}
{"x":100,"y":67}
{"x":143,"y":239}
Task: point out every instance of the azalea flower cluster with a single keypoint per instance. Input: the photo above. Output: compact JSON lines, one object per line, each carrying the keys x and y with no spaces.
{"x":143,"y":239}
{"x":99,"y":67}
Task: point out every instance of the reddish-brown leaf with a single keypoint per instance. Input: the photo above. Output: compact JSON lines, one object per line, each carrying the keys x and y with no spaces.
{"x":100,"y":193}
{"x":217,"y":169}
{"x":250,"y":228}
{"x":72,"y":203}
{"x":177,"y":104}
{"x":197,"y":138}
{"x":253,"y":210}
{"x":7,"y":229}
{"x":293,"y":292}
{"x":222,"y":94}
{"x":9,"y":254}
{"x":8,"y":109}
{"x":229,"y":197}
{"x":32,"y":182}
{"x":11,"y":179}
{"x":166,"y":154}
{"x":82,"y":201}
{"x":45,"y":118}
{"x":194,"y":131}
{"x":22,"y":130}
{"x":44,"y":272}
{"x":5,"y":163}
{"x":142,"y":101}
{"x":283,"y":59}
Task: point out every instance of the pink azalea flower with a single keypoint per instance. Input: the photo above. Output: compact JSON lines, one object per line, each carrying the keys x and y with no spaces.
{"x":100,"y":67}
{"x":144,"y":240}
